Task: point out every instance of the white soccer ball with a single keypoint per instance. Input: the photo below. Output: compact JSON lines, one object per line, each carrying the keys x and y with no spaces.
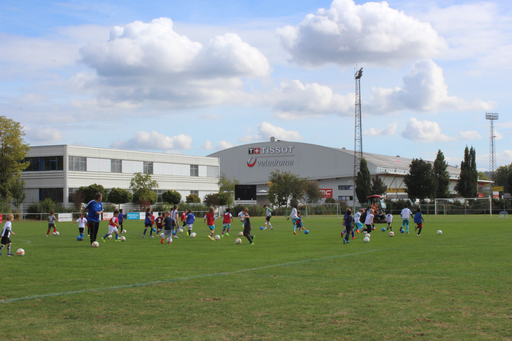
{"x":368,"y":235}
{"x":439,"y":232}
{"x":109,"y":236}
{"x":217,"y":237}
{"x":56,"y":233}
{"x":162,"y":234}
{"x":95,"y":244}
{"x":20,"y":252}
{"x":366,"y":240}
{"x":193,"y":235}
{"x":238,"y":241}
{"x":391,"y":234}
{"x":123,"y":238}
{"x":124,"y":231}
{"x":240,"y":233}
{"x":180,"y":230}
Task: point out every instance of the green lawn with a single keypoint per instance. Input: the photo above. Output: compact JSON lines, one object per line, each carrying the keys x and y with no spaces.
{"x":285,"y":287}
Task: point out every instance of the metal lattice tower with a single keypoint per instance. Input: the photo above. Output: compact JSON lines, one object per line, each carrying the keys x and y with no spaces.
{"x":358,"y":136}
{"x":492,"y":145}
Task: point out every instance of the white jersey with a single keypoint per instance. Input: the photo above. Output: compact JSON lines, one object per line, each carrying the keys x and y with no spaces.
{"x":405,"y":213}
{"x":240,"y":215}
{"x":269,"y":212}
{"x":81,"y":222}
{"x":293,"y":215}
{"x":368,"y":220}
{"x":389,"y":218}
{"x":6,"y":231}
{"x":357,"y":217}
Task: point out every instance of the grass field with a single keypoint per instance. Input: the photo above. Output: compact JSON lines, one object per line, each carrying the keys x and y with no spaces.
{"x":455,"y":286}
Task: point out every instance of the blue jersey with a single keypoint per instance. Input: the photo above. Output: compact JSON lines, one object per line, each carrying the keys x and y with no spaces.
{"x":417,"y":218}
{"x":190,"y":218}
{"x":120,"y":217}
{"x":148,"y":218}
{"x":93,"y":208}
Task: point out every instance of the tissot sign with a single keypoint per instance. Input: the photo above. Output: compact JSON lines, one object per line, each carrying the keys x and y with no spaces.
{"x":270,"y":156}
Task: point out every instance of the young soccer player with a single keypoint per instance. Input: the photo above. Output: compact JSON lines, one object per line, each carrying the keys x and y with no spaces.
{"x":345,"y":225}
{"x":268,"y":211}
{"x":418,"y":219}
{"x":81,"y":226}
{"x":389,"y":220}
{"x":247,"y":226}
{"x":6,"y":233}
{"x":209,"y":219}
{"x":147,"y":223}
{"x":159,"y":222}
{"x":369,"y":221}
{"x":294,"y":217}
{"x":176,"y":225}
{"x":405,"y":217}
{"x":113,"y":225}
{"x":241,"y":217}
{"x":87,"y":224}
{"x":51,"y":223}
{"x":120,"y":219}
{"x":168,"y":228}
{"x":153,"y":229}
{"x":95,"y":209}
{"x":349,"y":225}
{"x":357,"y":220}
{"x":190,"y":221}
{"x":184,"y":219}
{"x":226,"y":222}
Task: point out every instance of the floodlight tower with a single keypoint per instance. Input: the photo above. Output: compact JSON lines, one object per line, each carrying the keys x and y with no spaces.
{"x":358,"y":136}
{"x":492,"y":146}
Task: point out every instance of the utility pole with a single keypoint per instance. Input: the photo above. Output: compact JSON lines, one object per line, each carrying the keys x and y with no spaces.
{"x":358,"y":135}
{"x":492,"y":145}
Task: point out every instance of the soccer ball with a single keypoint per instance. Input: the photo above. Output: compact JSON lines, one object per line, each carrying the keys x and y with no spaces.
{"x":402,"y":231}
{"x":366,"y":240}
{"x":368,"y":235}
{"x":123,"y":238}
{"x":123,"y":231}
{"x":109,"y":236}
{"x":162,"y":234}
{"x":95,"y":244}
{"x":439,"y":232}
{"x":240,"y":233}
{"x":391,"y":234}
{"x":261,"y":227}
{"x":383,"y":229}
{"x":217,"y":237}
{"x":20,"y":252}
{"x":79,"y":239}
{"x":193,"y":235}
{"x":153,"y":229}
{"x":180,"y":230}
{"x":306,"y":232}
{"x":56,"y":233}
{"x":238,"y":241}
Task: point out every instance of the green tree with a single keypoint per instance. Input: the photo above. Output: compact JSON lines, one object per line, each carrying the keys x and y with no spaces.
{"x":501,"y":175}
{"x":378,"y":186}
{"x":142,"y":181}
{"x":312,"y":192}
{"x":363,"y":182}
{"x":467,"y":186}
{"x":17,"y":190}
{"x":482,"y":176}
{"x":441,"y":177}
{"x":89,"y":192}
{"x":419,"y":181}
{"x":13,"y":150}
{"x":227,"y":190}
{"x":119,"y":196}
{"x":192,"y":199}
{"x":508,"y":187}
{"x":144,"y":197}
{"x":285,"y":187}
{"x":171,"y":197}
{"x":211,"y":199}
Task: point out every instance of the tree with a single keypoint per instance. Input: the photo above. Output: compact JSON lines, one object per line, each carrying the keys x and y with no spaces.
{"x":192,"y":199}
{"x":482,"y":176}
{"x":363,"y":182}
{"x":467,"y":186}
{"x":77,"y":198}
{"x":312,"y":192}
{"x":285,"y":187}
{"x":211,"y":199}
{"x":501,"y":175}
{"x":171,"y":197}
{"x":508,"y":187}
{"x":378,"y":186}
{"x":142,"y":181}
{"x":144,"y":197}
{"x":13,"y":150}
{"x":227,"y":190}
{"x":119,"y":196}
{"x":89,"y":192}
{"x":441,"y":177}
{"x":419,"y":180}
{"x":17,"y":190}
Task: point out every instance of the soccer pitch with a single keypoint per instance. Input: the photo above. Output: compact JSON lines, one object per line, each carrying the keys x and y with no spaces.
{"x":454,"y":286}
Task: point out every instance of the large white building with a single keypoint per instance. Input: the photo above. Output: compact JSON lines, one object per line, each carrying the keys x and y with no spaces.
{"x":332,"y":168}
{"x":57,"y":171}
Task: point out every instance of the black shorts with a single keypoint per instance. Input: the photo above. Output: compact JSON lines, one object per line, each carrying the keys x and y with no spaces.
{"x":147,"y":225}
{"x":5,"y":241}
{"x":121,"y":225}
{"x":50,"y":225}
{"x":268,"y":218}
{"x":81,"y":229}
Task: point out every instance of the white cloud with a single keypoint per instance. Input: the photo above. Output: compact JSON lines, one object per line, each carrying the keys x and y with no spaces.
{"x":348,"y":34}
{"x":296,"y":100}
{"x":207,"y":145}
{"x":267,"y":130}
{"x":154,"y":141}
{"x":424,"y":131}
{"x":469,"y":135}
{"x":389,"y":130}
{"x":424,"y":89}
{"x":43,"y":135}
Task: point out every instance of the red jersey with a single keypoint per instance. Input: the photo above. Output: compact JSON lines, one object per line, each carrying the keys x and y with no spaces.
{"x":210,"y":219}
{"x":227,"y":218}
{"x":159,"y":222}
{"x":183,"y":216}
{"x":113,"y":221}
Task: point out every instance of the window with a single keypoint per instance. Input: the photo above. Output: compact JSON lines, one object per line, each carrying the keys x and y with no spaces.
{"x":49,"y":163}
{"x":346,"y":198}
{"x":77,"y":163}
{"x":194,"y":170}
{"x":345,"y":187}
{"x":159,"y":194}
{"x":34,"y":164}
{"x":56,"y":194}
{"x":116,"y":166}
{"x":195,"y":192}
{"x":148,"y":167}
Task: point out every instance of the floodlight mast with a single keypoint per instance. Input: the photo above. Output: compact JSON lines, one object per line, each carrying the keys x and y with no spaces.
{"x":358,"y":136}
{"x":492,"y":145}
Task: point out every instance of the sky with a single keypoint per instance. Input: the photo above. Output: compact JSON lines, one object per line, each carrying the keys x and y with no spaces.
{"x":194,"y":77}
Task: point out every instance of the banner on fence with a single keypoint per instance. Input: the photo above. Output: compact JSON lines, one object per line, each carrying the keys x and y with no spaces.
{"x":142,"y":215}
{"x":65,"y":217}
{"x":132,"y":216}
{"x":108,"y":215}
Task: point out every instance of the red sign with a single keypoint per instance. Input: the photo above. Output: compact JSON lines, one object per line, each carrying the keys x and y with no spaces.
{"x":326,"y":192}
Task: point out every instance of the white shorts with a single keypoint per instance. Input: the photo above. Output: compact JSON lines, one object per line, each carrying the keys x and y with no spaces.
{"x":112,"y":229}
{"x":190,"y":226}
{"x":226,"y":225}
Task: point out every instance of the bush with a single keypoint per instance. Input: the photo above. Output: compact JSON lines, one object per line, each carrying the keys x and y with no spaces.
{"x":254,"y":211}
{"x":330,"y":200}
{"x":193,"y":199}
{"x":110,"y":208}
{"x":4,"y":207}
{"x":171,"y":197}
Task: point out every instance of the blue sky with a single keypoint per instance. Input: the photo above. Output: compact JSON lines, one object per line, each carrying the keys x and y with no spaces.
{"x":198,"y":76}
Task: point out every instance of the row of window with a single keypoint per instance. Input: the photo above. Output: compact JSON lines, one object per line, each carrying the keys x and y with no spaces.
{"x":345,"y":187}
{"x":49,"y":163}
{"x":345,"y":198}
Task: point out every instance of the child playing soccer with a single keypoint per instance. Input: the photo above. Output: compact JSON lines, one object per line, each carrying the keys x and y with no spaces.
{"x":6,"y":233}
{"x":51,"y":223}
{"x":357,"y":220}
{"x":247,"y":226}
{"x":369,"y":221}
{"x":147,"y":223}
{"x":175,"y":223}
{"x":168,"y":228}
{"x":184,"y":219}
{"x":345,"y":224}
{"x":268,"y":211}
{"x":113,"y":225}
{"x":405,"y":217}
{"x":389,"y":220}
{"x":294,"y":217}
{"x":226,"y":222}
{"x":159,"y":222}
{"x":349,"y":225}
{"x":209,"y":219}
{"x":190,"y":221}
{"x":81,"y":226}
{"x":241,"y":217}
{"x":418,"y":219}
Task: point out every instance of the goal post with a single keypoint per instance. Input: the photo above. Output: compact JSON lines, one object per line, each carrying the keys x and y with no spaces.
{"x":439,"y":203}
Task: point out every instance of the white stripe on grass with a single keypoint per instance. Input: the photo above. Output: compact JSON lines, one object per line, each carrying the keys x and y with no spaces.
{"x":136,"y":285}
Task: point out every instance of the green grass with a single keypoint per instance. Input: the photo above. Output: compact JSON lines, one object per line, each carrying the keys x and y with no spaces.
{"x":285,"y":287}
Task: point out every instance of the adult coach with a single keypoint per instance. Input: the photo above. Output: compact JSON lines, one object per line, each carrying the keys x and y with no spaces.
{"x":95,"y":208}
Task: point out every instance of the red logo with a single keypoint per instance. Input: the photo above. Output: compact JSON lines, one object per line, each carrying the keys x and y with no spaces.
{"x":256,"y":150}
{"x":327,"y":192}
{"x":249,"y":164}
